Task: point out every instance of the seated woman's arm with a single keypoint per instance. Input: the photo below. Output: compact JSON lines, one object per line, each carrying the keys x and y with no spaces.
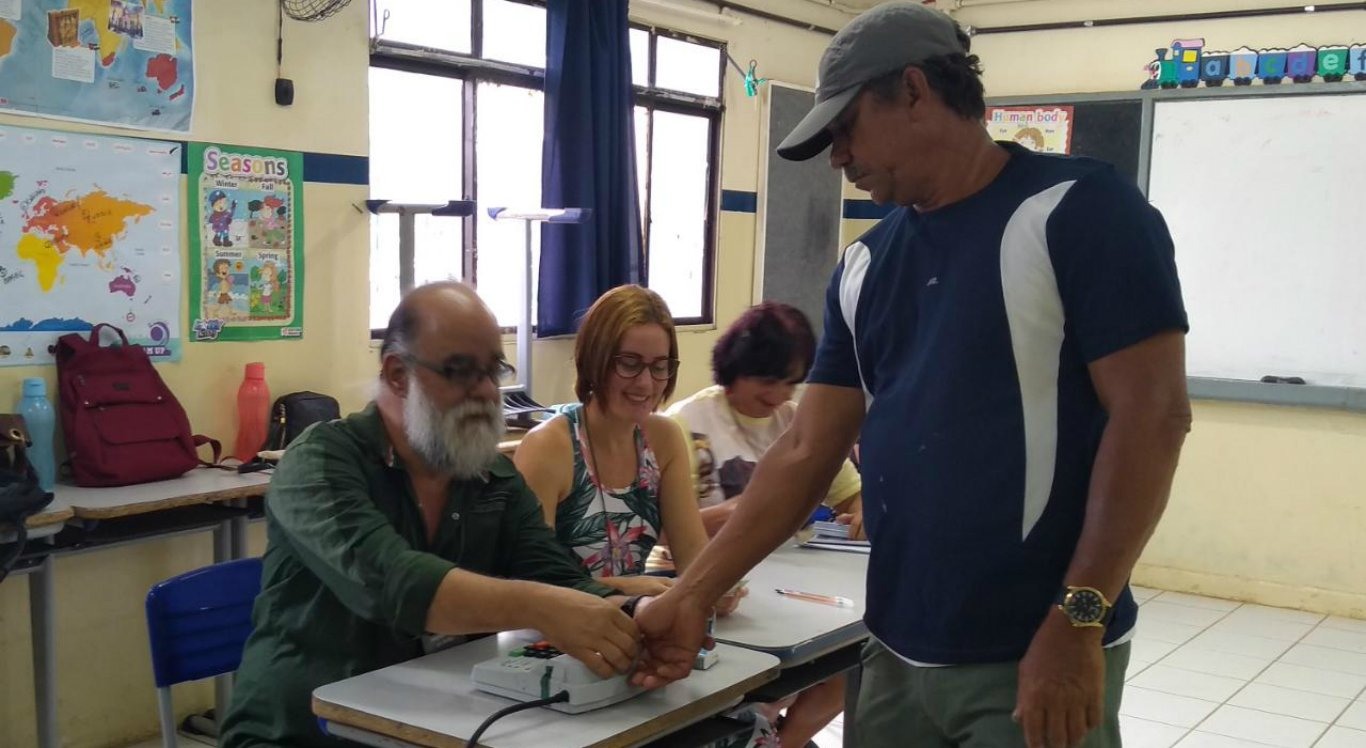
{"x":545,"y":460}
{"x":677,"y":494}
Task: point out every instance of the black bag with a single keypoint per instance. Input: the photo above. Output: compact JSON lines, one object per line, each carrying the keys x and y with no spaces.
{"x":20,"y":496}
{"x":293,"y":413}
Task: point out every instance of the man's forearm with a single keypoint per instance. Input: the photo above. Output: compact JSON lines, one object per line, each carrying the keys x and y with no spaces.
{"x":765,"y":516}
{"x":1130,"y":483}
{"x":715,"y":517}
{"x":469,"y":603}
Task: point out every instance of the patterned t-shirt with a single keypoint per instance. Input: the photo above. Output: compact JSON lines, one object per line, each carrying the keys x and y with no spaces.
{"x":611,"y":530}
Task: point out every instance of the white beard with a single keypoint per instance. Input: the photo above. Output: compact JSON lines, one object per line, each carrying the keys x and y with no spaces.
{"x":462,"y":441}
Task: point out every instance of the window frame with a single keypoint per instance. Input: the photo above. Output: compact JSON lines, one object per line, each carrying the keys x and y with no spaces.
{"x":473,"y":69}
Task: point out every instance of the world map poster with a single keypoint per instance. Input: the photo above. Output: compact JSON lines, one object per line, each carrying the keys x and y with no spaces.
{"x":128,"y":63}
{"x":89,"y":233}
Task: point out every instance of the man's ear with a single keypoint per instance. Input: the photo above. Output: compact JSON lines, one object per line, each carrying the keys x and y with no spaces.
{"x":917,"y":86}
{"x":394,"y":374}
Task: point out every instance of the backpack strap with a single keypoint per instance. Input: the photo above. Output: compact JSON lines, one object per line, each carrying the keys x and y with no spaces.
{"x":217,"y":448}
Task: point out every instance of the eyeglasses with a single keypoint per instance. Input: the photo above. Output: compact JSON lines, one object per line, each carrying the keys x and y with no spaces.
{"x":463,"y":372}
{"x":628,"y":366}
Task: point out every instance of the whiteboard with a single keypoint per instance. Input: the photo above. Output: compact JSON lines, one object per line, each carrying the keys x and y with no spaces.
{"x":1263,"y":198}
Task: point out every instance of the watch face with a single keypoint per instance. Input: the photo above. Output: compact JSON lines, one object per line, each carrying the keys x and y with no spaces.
{"x":1084,"y":606}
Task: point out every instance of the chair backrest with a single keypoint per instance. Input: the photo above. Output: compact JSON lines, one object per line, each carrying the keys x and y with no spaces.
{"x":198,"y":622}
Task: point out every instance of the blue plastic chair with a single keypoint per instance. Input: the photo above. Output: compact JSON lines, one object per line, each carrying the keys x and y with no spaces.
{"x":198,"y":623}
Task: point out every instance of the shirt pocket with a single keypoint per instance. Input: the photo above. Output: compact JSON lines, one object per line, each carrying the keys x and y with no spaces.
{"x":481,"y":534}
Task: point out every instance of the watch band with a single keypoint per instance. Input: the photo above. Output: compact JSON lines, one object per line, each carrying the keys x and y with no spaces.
{"x":629,"y":607}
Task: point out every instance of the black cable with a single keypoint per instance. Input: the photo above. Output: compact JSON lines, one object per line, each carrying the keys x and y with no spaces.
{"x":562,"y":696}
{"x":280,"y":41}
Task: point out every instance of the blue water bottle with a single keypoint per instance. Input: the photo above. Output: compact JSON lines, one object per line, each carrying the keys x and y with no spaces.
{"x":41,"y":422}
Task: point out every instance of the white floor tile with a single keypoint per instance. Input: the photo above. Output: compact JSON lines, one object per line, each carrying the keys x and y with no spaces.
{"x":1144,"y":648}
{"x":1355,"y":716}
{"x":1156,"y":706}
{"x":1167,"y":631}
{"x":1172,"y":680}
{"x":1325,"y":658}
{"x":1135,"y":667}
{"x":1267,"y":628}
{"x":1240,"y":644}
{"x":1288,"y":701}
{"x":1197,"y":739}
{"x":1342,"y":737}
{"x":1198,"y":601}
{"x":1192,"y":657}
{"x":1314,"y":680}
{"x":1141,"y":733}
{"x":1351,"y":641}
{"x":1272,"y":729}
{"x":1345,"y":624}
{"x":1251,"y":610}
{"x":1142,"y":594}
{"x":1161,"y":610}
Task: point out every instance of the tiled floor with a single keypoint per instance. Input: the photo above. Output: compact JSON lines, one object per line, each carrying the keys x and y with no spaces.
{"x":1217,"y":674}
{"x":1209,"y":673}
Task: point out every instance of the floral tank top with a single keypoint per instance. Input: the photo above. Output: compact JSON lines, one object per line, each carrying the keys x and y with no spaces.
{"x":611,"y":530}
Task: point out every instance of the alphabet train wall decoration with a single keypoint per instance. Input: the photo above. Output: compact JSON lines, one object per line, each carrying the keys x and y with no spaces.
{"x":1189,"y":64}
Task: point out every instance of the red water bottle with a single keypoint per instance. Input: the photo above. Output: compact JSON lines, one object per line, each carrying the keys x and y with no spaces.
{"x":253,"y":413}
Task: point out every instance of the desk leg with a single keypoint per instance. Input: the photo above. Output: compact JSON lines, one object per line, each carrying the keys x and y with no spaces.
{"x":222,"y":542}
{"x":853,"y":680}
{"x":238,"y":535}
{"x":224,"y":539}
{"x":44,"y":653}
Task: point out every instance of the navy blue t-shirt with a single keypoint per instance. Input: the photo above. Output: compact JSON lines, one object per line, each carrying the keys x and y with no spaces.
{"x":970,"y":329}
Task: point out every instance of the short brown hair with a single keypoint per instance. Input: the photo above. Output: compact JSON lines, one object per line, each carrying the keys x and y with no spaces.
{"x":606,"y":324}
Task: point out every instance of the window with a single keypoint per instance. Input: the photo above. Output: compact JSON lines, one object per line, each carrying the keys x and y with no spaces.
{"x":456,"y":112}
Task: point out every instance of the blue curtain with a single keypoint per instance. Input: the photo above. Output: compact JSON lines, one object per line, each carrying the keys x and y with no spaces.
{"x":588,"y":161}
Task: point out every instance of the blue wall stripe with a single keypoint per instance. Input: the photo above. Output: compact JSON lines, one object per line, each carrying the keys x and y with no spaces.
{"x":866,"y":209}
{"x":739,"y":201}
{"x":335,"y":168}
{"x":327,"y":168}
{"x":744,"y":201}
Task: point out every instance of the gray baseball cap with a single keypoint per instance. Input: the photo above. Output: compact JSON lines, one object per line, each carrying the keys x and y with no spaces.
{"x":889,"y":37}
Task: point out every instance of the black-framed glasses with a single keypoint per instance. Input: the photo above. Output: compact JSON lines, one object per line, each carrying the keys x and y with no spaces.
{"x":629,"y":366}
{"x":463,"y":372}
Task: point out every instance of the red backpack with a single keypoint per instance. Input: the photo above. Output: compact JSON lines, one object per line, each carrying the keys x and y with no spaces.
{"x":122,"y":424}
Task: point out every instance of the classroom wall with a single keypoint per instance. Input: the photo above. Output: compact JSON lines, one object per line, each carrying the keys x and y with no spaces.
{"x":1269,"y":503}
{"x":100,"y":625}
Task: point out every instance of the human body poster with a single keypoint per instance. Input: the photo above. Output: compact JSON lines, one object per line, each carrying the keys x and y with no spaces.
{"x":1043,"y":129}
{"x":246,"y":243}
{"x":128,"y":63}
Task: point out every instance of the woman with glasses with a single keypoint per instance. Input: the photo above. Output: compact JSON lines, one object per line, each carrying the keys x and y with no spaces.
{"x":611,"y":473}
{"x":757,"y":364}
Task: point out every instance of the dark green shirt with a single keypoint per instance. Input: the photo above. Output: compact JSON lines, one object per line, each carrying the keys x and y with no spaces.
{"x":348,"y":572}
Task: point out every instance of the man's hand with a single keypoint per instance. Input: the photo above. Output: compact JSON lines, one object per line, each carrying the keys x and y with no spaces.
{"x":1062,"y":684}
{"x":590,"y":629}
{"x":731,"y":600}
{"x":645,"y":586}
{"x":674,"y":628}
{"x":855,"y":522}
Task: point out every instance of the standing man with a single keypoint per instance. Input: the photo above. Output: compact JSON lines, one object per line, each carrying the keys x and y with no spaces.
{"x":1009,"y":343}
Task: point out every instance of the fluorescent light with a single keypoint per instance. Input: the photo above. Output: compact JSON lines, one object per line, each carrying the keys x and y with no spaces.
{"x":686,"y":12}
{"x":1309,"y":9}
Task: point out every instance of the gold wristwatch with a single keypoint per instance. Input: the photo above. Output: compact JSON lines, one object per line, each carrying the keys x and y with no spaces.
{"x":1085,"y":607}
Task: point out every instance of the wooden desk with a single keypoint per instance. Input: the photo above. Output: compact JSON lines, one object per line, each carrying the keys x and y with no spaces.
{"x":430,"y":701}
{"x":43,"y":524}
{"x":199,"y":486}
